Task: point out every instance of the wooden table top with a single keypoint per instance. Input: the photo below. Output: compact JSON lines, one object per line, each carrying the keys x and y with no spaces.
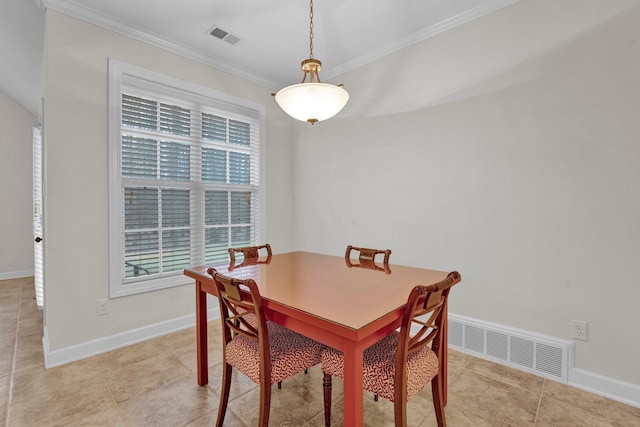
{"x":325,"y":287}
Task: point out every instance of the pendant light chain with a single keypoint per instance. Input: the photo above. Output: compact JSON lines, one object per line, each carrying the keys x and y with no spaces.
{"x":311,"y":29}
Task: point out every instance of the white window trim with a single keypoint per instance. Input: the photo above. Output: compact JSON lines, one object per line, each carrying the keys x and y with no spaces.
{"x":119,"y":72}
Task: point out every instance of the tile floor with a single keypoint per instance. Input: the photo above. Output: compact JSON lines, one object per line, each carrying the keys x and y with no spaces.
{"x":153,"y":383}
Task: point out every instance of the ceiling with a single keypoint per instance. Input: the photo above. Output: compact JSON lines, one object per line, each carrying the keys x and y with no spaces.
{"x":273,"y":34}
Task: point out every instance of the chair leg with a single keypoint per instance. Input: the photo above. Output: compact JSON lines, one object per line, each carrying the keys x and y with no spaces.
{"x":437,"y":392}
{"x":375,"y":397}
{"x":400,"y":413}
{"x":279,"y":385}
{"x":326,"y":385}
{"x":227,"y":370}
{"x":265,"y":404}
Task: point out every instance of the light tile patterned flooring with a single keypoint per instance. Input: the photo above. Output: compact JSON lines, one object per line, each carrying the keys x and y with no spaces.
{"x":153,"y":383}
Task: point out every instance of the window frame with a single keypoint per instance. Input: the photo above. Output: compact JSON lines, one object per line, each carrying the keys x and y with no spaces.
{"x":122,"y":75}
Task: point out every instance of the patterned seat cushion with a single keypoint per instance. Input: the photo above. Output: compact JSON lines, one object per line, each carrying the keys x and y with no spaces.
{"x":380,"y":365}
{"x":290,"y":353}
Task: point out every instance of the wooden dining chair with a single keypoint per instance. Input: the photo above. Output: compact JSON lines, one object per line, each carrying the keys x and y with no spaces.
{"x":262,"y":350}
{"x":367,"y":256}
{"x":401,"y":364}
{"x":367,"y":259}
{"x":251,"y":254}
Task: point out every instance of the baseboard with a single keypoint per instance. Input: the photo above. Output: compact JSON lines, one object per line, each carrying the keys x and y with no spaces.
{"x":472,"y":336}
{"x":16,"y":274}
{"x":620,"y":391}
{"x":102,"y":345}
{"x":617,"y":390}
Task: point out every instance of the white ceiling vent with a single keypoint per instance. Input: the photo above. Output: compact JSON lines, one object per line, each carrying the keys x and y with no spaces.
{"x":225,"y":35}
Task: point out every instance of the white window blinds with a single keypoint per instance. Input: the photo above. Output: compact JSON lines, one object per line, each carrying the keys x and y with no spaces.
{"x":189,"y":183}
{"x":38,"y":253}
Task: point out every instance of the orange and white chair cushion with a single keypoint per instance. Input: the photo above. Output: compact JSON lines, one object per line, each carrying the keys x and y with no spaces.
{"x":290,"y":354}
{"x":379,"y":367}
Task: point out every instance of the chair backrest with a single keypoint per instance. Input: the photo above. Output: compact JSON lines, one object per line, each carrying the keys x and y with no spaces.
{"x":251,"y":254}
{"x":424,"y":301}
{"x":367,"y":256}
{"x":237,"y":310}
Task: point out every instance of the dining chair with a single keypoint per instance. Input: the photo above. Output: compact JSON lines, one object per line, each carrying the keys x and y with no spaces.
{"x":366,"y":256}
{"x":251,"y":253}
{"x":367,"y":259}
{"x":403,"y":363}
{"x":262,"y":350}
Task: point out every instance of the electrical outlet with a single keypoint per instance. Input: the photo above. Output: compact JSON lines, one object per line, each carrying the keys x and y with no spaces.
{"x":103,"y":307}
{"x":580,"y":331}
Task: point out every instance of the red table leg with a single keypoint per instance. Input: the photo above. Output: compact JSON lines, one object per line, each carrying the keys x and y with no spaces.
{"x":353,"y":407}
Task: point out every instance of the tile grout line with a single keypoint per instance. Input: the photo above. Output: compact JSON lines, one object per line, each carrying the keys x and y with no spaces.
{"x":482,"y":374}
{"x":13,"y":361}
{"x":116,"y":406}
{"x":541,"y":393}
{"x":535,"y":420}
{"x":589,"y":411}
{"x":491,"y":377}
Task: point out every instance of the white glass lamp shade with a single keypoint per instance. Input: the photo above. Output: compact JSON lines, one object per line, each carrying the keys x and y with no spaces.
{"x":312,"y":102}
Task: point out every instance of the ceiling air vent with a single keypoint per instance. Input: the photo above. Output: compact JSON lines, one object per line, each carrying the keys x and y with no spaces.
{"x":225,"y":35}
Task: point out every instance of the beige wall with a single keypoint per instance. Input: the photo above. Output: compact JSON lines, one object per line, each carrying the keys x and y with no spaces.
{"x":16,"y":235}
{"x":507,"y":149}
{"x":76,"y":251}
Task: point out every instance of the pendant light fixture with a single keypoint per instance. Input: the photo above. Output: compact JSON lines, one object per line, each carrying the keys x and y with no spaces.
{"x":312,"y":101}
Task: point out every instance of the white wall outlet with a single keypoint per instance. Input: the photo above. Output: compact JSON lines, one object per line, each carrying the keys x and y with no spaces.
{"x":103,"y":307}
{"x":580,"y":331}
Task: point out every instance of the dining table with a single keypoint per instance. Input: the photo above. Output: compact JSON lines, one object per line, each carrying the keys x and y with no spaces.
{"x":338,"y":303}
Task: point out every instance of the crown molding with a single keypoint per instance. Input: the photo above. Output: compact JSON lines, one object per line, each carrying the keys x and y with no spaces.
{"x":77,"y":10}
{"x":483,"y":9}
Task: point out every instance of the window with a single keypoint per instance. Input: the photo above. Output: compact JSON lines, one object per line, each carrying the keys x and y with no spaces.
{"x":38,"y":253}
{"x":184,"y":178}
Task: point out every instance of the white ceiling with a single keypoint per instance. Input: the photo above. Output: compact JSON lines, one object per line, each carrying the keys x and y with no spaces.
{"x":274,"y":34}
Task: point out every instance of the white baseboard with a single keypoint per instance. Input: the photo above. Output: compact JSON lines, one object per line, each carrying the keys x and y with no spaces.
{"x":620,"y":391}
{"x":16,"y":274}
{"x":476,"y":344}
{"x":102,"y":345}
